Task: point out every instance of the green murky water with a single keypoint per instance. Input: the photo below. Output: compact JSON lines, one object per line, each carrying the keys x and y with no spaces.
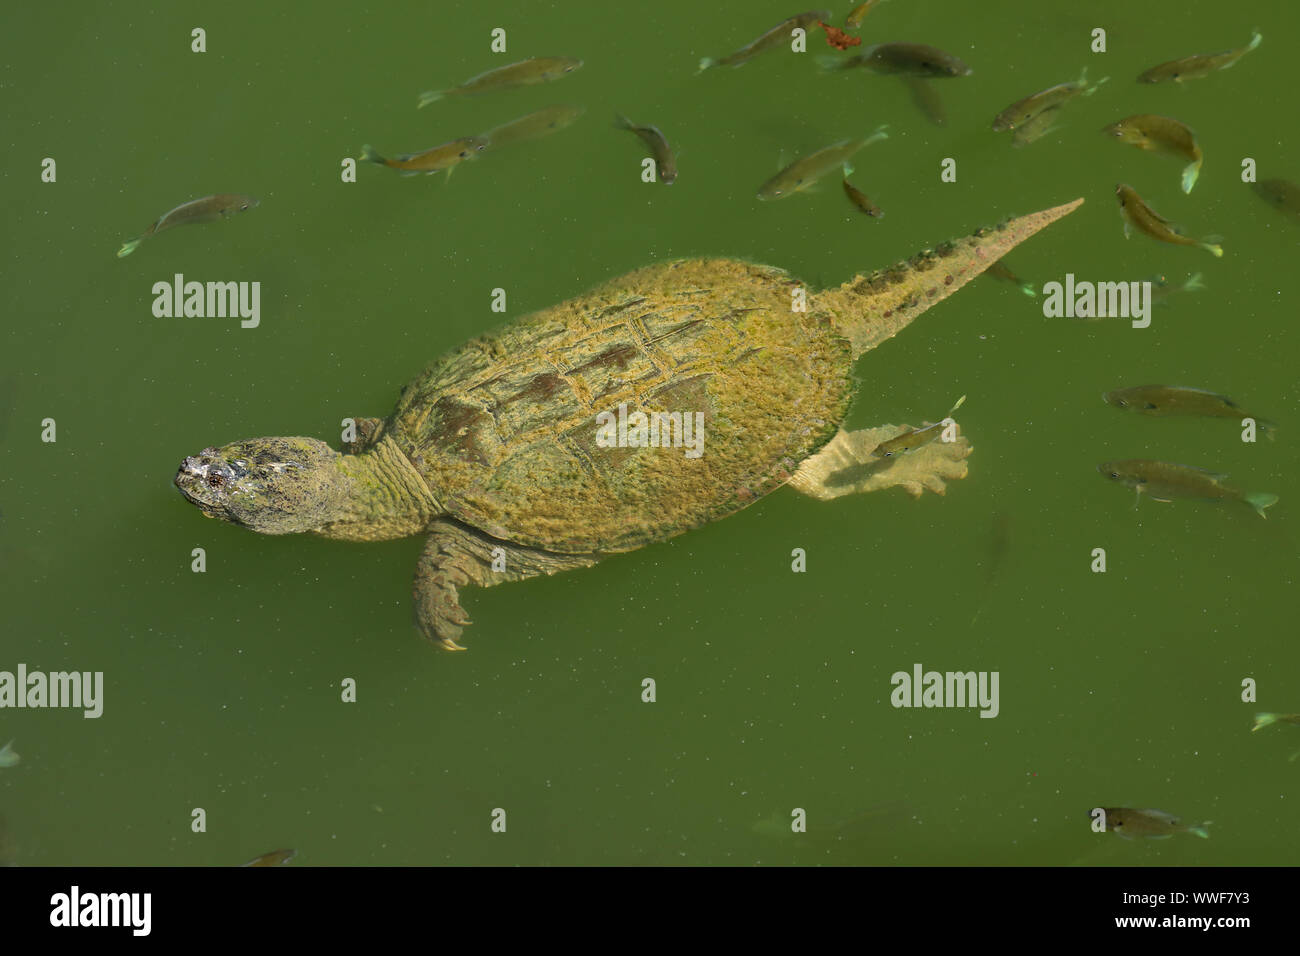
{"x":222,"y":688}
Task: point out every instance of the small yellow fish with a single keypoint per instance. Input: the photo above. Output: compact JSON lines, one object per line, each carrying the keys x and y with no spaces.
{"x":858,"y":14}
{"x":1201,"y":64}
{"x":805,"y":171}
{"x":1164,"y":400}
{"x":274,"y":858}
{"x":858,"y":197}
{"x":207,"y":209}
{"x":917,"y":437}
{"x":1022,"y":111}
{"x":1152,"y":824}
{"x":1150,"y":132}
{"x":774,"y":37}
{"x":1281,"y":194}
{"x":447,"y":156}
{"x":653,"y":137}
{"x":1145,"y":219}
{"x":1162,"y":290}
{"x":537,"y":69}
{"x":1165,"y":481}
{"x":1000,"y":270}
{"x":1268,"y":720}
{"x":541,"y":123}
{"x":914,"y":59}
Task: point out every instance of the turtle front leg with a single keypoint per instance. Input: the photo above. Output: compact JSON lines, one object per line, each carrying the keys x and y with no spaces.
{"x":456,"y":555}
{"x":847,"y":466}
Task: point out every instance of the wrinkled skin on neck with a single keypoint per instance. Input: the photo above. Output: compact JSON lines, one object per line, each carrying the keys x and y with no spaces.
{"x":293,"y":485}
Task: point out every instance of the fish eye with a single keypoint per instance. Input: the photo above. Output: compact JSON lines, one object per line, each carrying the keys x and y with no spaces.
{"x":1122,"y":403}
{"x":1114,"y":474}
{"x":243,"y":206}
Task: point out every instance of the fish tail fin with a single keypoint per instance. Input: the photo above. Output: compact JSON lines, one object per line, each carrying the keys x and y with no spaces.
{"x":431,"y":96}
{"x":1083,"y":81}
{"x":369,"y":155}
{"x":960,"y":402}
{"x":1194,"y":283}
{"x":881,"y":132}
{"x":848,"y":170}
{"x":1256,"y":38}
{"x":1028,"y":289}
{"x":1190,"y":172}
{"x":1200,"y":830}
{"x":129,"y":247}
{"x":706,"y":63}
{"x":1259,"y":500}
{"x":1211,"y":247}
{"x":829,"y":63}
{"x":1264,"y":720}
{"x":1269,"y":428}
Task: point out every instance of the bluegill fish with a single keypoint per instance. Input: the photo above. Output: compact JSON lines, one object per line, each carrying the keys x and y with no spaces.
{"x":447,"y":156}
{"x":1165,"y":481}
{"x":805,"y":171}
{"x":657,"y":143}
{"x":1142,"y":217}
{"x":207,"y":209}
{"x":1152,"y":824}
{"x":1164,"y":400}
{"x":8,"y":756}
{"x":913,"y":59}
{"x":1150,"y":132}
{"x":773,"y":38}
{"x":916,"y":437}
{"x":1200,"y":64}
{"x":1036,"y":128}
{"x":537,"y":69}
{"x":1022,"y":111}
{"x":274,"y":858}
{"x":1268,"y":720}
{"x":541,"y":123}
{"x":858,"y":197}
{"x":1281,"y":194}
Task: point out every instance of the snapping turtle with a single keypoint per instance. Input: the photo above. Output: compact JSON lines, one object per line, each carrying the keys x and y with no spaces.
{"x":657,"y":402}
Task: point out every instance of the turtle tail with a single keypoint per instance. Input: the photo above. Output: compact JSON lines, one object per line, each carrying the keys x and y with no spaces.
{"x":868,"y":309}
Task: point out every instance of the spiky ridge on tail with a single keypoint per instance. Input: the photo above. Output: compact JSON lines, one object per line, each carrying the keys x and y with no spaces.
{"x":867,"y":310}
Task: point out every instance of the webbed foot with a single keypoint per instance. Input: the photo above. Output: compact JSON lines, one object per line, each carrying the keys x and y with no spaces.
{"x":847,"y":466}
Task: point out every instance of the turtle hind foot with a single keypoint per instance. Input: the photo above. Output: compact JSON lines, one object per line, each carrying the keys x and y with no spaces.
{"x":847,"y":465}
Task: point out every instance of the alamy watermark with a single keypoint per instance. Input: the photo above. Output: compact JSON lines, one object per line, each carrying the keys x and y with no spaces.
{"x":1098,"y":300}
{"x":83,"y":690}
{"x":653,"y":430}
{"x":950,"y":689}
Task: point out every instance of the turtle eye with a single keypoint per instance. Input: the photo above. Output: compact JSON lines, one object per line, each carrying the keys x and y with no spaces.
{"x":215,"y":480}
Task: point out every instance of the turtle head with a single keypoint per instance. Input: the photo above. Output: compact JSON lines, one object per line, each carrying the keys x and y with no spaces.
{"x":271,"y":485}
